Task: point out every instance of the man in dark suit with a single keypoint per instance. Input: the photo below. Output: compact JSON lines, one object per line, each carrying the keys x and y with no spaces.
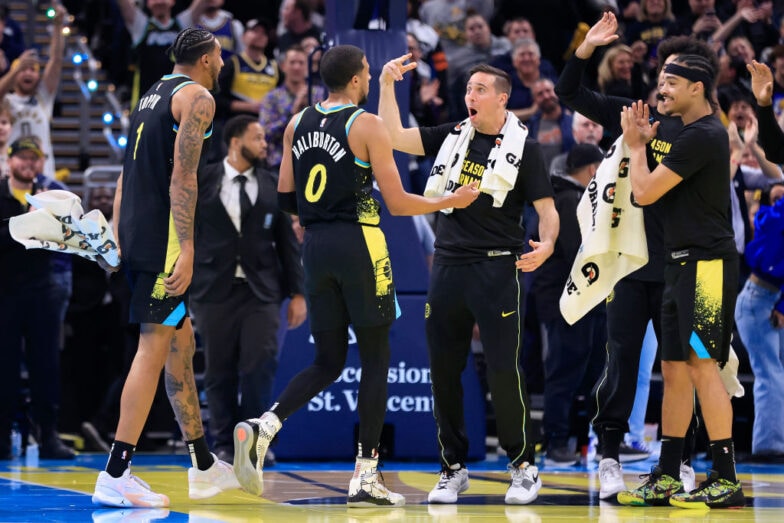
{"x":247,"y":262}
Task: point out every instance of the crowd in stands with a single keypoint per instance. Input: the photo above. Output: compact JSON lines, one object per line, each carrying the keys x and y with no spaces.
{"x":270,"y":73}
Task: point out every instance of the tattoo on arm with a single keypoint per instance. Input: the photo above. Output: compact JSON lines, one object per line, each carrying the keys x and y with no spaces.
{"x":190,"y":139}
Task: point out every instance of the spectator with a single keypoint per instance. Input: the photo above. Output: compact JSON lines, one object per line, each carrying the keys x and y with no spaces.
{"x":244,"y":268}
{"x":551,"y":124}
{"x":32,"y":99}
{"x":481,"y":46}
{"x":29,"y":315}
{"x":583,"y":131}
{"x":427,"y":102}
{"x":295,"y":15}
{"x":151,"y":37}
{"x":244,"y":81}
{"x":753,"y":21}
{"x":526,"y":59}
{"x":651,"y":25}
{"x":431,"y":52}
{"x":701,"y":21}
{"x":227,"y":29}
{"x":514,"y":31}
{"x":279,"y":105}
{"x":448,"y":18}
{"x":619,"y":76}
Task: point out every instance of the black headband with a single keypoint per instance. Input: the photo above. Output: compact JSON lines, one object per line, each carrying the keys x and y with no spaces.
{"x":692,"y":75}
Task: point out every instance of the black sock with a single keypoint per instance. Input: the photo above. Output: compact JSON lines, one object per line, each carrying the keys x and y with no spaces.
{"x":723,"y":455}
{"x":200,"y":453}
{"x":670,"y":459}
{"x":120,"y":457}
{"x":610,"y":440}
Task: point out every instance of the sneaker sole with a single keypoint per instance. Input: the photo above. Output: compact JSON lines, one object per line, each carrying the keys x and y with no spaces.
{"x":105,"y":500}
{"x":702,"y":505}
{"x":250,"y":479}
{"x":605,"y":495}
{"x":525,"y":501}
{"x":364,"y":500}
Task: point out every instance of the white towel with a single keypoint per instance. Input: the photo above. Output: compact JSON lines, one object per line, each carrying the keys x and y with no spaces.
{"x":503,"y":162}
{"x":60,"y":224}
{"x":613,"y":236}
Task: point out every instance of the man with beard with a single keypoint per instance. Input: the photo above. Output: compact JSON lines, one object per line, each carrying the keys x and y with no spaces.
{"x":247,"y":262}
{"x":154,"y":211}
{"x":332,"y":151}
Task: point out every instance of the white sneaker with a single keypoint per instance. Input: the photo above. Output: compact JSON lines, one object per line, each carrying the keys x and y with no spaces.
{"x":126,"y":491}
{"x":211,"y":482}
{"x":451,"y":483}
{"x":688,"y":478}
{"x":367,"y":489}
{"x":525,"y":485}
{"x":610,"y":478}
{"x":252,"y":438}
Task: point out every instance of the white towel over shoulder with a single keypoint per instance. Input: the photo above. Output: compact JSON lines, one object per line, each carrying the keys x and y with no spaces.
{"x":60,"y":224}
{"x":503,"y":162}
{"x":613,"y":234}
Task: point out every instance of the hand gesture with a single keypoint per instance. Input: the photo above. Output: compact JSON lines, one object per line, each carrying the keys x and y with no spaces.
{"x":394,"y":69}
{"x":59,"y":13}
{"x":761,"y":82}
{"x":428,"y":92}
{"x":635,"y":122}
{"x":603,"y":32}
{"x":465,"y":195}
{"x":736,"y":142}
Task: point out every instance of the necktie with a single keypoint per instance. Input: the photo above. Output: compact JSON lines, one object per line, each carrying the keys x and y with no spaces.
{"x":245,"y":204}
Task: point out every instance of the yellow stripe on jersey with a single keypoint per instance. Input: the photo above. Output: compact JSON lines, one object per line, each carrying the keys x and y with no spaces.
{"x":379,"y":256}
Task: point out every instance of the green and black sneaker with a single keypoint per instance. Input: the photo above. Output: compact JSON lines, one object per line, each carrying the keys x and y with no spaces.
{"x":656,"y":490}
{"x":715,"y":492}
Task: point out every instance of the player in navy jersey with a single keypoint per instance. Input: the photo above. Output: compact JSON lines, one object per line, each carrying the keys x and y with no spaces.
{"x":154,"y":210}
{"x":331,"y":153}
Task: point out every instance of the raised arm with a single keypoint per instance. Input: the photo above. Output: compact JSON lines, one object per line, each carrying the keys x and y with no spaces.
{"x":596,"y":106}
{"x":403,"y":139}
{"x":194,"y":108}
{"x":128,"y":12}
{"x":54,"y":67}
{"x":771,"y":137}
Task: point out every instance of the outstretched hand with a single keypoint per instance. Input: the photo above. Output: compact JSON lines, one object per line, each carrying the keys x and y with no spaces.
{"x":534,"y":258}
{"x":761,"y":82}
{"x":465,"y":195}
{"x":394,"y":69}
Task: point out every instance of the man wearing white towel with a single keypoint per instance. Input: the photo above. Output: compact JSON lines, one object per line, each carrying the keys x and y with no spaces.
{"x":478,"y":264}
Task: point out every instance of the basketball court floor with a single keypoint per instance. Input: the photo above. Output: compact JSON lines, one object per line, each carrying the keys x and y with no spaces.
{"x":311,"y":492}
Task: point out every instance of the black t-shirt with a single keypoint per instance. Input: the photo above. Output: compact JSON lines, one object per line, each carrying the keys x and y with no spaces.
{"x":468,"y":235}
{"x":697,"y":224}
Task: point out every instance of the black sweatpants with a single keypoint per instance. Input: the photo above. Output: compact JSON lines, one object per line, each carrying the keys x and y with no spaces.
{"x":629,"y":308}
{"x":491,"y":294}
